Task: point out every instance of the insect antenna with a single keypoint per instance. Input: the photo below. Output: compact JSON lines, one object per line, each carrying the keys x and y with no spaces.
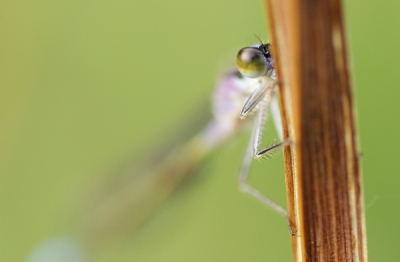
{"x":261,"y":42}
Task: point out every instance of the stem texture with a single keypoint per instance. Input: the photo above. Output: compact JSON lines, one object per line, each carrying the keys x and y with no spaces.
{"x":323,"y":178}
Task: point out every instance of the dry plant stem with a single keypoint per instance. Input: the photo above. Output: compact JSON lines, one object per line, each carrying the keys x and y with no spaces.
{"x":325,"y":197}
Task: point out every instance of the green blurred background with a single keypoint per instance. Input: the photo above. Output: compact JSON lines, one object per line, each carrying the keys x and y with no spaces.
{"x":85,"y":83}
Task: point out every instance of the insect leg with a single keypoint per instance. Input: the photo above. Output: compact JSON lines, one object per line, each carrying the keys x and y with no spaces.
{"x":274,"y":105}
{"x":252,"y":148}
{"x":276,"y":115}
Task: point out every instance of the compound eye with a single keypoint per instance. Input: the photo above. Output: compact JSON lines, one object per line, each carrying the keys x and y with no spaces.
{"x":251,"y":62}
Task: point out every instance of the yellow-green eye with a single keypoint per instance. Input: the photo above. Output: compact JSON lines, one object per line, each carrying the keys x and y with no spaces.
{"x":251,"y":62}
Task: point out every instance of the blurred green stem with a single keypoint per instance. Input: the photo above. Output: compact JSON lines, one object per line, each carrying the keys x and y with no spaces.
{"x":134,"y":200}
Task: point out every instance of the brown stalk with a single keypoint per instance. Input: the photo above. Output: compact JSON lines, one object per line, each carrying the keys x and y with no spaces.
{"x":323,"y":180}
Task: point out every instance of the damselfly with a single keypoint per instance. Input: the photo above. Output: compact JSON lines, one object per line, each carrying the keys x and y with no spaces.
{"x":256,"y":62}
{"x":251,"y":88}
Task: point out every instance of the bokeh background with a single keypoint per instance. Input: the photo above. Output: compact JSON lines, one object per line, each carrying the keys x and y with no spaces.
{"x":86,"y":83}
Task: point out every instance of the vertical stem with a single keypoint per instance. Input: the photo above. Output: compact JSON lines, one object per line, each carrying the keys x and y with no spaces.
{"x":325,"y":198}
